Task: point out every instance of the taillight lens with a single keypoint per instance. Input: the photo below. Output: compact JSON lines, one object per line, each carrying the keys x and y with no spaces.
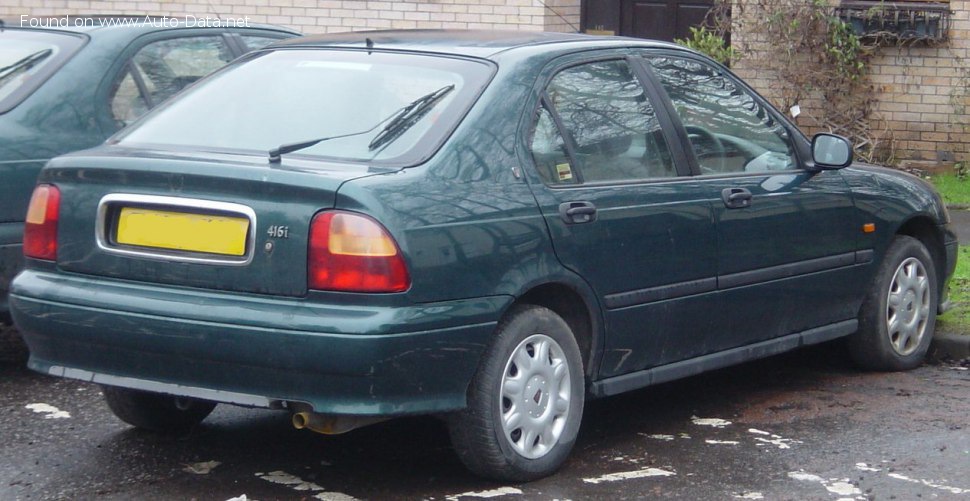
{"x":353,"y":253}
{"x":40,"y":230}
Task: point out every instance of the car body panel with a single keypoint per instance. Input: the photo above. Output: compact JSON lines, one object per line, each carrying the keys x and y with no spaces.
{"x":410,"y":359}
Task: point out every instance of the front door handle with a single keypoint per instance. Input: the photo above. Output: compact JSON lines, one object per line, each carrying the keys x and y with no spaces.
{"x":736,"y":198}
{"x":577,"y":212}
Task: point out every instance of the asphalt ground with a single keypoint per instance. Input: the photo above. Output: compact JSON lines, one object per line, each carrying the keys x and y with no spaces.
{"x":802,"y":426}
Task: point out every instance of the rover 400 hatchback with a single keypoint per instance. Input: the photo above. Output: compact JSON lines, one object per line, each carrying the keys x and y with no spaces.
{"x":489,"y":227}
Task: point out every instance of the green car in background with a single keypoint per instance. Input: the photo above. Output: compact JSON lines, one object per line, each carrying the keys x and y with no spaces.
{"x":68,"y":89}
{"x":488,"y":227}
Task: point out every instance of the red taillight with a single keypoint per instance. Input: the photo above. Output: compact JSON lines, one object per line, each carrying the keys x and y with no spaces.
{"x":40,"y":230}
{"x":353,"y":253}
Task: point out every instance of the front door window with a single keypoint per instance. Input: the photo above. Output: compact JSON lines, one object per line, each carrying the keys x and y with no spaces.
{"x":729,"y":130}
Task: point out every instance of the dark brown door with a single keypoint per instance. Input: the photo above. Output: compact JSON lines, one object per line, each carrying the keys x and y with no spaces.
{"x":661,"y":20}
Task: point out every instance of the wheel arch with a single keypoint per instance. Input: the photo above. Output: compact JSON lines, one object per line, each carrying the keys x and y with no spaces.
{"x":578,"y":307}
{"x":924,"y":229}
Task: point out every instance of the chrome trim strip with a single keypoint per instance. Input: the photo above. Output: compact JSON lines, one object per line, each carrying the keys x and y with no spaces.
{"x":174,"y":202}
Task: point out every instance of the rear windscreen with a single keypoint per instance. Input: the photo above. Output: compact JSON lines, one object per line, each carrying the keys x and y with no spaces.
{"x":27,"y":58}
{"x":376,"y":107}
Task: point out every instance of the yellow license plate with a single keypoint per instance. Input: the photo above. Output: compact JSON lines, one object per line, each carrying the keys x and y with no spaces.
{"x":182,"y":231}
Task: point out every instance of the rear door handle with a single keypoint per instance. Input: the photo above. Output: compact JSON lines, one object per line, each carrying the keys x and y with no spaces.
{"x":736,"y":198}
{"x":577,"y":212}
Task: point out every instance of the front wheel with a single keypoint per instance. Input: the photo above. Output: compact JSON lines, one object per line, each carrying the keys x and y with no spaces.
{"x":154,"y":411}
{"x":898,"y":316}
{"x":525,"y":402}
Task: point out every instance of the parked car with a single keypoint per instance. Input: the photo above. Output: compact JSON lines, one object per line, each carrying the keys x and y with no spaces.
{"x":66,"y":89}
{"x":490,"y":227}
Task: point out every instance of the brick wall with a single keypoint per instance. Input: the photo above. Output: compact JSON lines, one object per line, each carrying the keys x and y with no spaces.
{"x":326,"y":16}
{"x":921,"y":92}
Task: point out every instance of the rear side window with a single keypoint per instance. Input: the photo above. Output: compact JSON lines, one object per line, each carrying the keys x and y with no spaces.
{"x":161,"y":69}
{"x":377,"y":107}
{"x":609,"y":123}
{"x":27,"y":58}
{"x":256,"y":42}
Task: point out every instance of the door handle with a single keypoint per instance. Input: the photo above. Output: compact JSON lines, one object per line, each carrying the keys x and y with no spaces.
{"x":577,"y":212}
{"x":736,"y":198}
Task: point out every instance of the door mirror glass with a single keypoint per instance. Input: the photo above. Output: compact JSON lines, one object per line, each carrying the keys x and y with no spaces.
{"x":831,"y":152}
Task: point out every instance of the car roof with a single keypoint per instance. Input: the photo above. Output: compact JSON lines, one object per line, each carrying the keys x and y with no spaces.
{"x":135,"y":25}
{"x":475,"y":43}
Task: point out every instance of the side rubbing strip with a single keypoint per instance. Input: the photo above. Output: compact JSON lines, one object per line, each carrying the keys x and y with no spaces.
{"x":661,"y":293}
{"x":700,"y":286}
{"x":863,"y":256}
{"x":786,"y":270}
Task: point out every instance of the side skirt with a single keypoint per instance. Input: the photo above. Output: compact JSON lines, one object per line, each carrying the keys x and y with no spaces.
{"x":664,"y":373}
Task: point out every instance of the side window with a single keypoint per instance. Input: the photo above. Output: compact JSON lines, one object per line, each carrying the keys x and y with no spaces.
{"x":729,"y":130}
{"x":611,"y":124}
{"x":256,"y":42}
{"x":160,"y":69}
{"x":127,"y":101}
{"x":549,"y":151}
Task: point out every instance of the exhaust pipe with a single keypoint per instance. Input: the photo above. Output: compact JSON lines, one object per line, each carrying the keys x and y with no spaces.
{"x":328,"y":424}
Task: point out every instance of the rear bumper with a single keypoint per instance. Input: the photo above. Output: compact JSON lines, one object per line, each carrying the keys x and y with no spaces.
{"x":339,"y":358}
{"x":11,"y":262}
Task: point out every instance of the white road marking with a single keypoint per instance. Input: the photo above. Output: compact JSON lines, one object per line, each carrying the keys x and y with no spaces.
{"x":722,"y":442}
{"x":712,"y":422}
{"x":865,"y":467}
{"x":201,"y":468}
{"x":50,"y":411}
{"x":776,"y":440}
{"x":750,"y":495}
{"x":840,"y":487}
{"x":665,"y":438}
{"x":758,"y":432}
{"x":494,"y":493}
{"x":298,"y":484}
{"x":929,"y":483}
{"x":628,"y":475}
{"x":241,"y":497}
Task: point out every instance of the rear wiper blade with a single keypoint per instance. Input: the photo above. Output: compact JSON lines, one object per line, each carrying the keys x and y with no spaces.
{"x":25,"y":63}
{"x":409,"y":116}
{"x":276,"y":154}
{"x":409,"y":113}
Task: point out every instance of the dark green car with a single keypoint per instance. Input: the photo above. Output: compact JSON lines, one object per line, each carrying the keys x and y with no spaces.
{"x":490,"y":227}
{"x":67,"y":89}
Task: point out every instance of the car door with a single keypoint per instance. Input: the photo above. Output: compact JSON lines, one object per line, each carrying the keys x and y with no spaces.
{"x":621,"y":213}
{"x":786,"y":236}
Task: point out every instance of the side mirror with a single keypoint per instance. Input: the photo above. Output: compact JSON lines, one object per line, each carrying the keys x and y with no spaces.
{"x":831,"y":152}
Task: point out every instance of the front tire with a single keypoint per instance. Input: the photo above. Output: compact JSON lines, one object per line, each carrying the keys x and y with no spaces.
{"x":898,"y":315}
{"x":154,"y":411}
{"x":525,"y":402}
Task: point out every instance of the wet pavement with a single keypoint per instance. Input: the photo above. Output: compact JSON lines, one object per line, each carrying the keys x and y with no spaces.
{"x":805,"y":425}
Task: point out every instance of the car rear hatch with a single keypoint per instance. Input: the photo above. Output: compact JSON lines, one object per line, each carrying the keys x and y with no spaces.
{"x":215,"y":223}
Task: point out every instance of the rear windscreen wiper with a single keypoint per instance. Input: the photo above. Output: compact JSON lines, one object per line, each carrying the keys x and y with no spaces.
{"x":408,"y":116}
{"x":25,"y":63}
{"x":401,"y":120}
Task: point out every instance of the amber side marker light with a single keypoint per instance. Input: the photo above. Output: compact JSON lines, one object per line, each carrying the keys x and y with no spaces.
{"x":868,"y":228}
{"x":351,"y":252}
{"x":40,"y":228}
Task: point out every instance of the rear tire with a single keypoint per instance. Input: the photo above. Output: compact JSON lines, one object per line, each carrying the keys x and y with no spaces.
{"x":898,"y":315}
{"x":525,"y":402}
{"x":155,"y":411}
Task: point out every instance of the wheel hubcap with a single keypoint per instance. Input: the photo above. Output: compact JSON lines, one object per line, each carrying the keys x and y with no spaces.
{"x":908,"y":306}
{"x":535,"y":396}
